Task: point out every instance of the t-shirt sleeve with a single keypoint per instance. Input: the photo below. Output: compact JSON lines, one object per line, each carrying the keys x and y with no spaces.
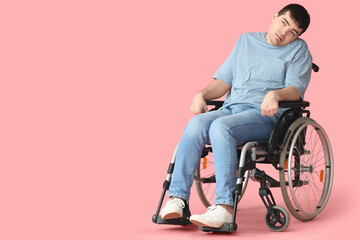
{"x":299,"y":71}
{"x":225,"y":72}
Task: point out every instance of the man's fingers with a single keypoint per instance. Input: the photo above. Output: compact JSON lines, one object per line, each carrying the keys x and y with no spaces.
{"x":268,"y":112}
{"x":206,"y":108}
{"x":199,"y":109}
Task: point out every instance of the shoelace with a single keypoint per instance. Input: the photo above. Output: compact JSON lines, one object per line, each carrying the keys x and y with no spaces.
{"x":178,"y":201}
{"x":211,"y":208}
{"x":214,"y":209}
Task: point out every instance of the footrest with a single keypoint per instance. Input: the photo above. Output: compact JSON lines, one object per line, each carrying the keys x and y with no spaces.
{"x":176,"y":221}
{"x":225,"y":228}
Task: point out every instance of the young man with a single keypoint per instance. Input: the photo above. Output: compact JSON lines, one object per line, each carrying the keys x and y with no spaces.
{"x":263,"y":69}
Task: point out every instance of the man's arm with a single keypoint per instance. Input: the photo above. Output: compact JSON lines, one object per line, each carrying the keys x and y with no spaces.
{"x":270,"y":104}
{"x":214,"y":90}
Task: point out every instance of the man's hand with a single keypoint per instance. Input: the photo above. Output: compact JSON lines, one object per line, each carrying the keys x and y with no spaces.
{"x":214,"y":90}
{"x":270,"y":104}
{"x":198,"y":104}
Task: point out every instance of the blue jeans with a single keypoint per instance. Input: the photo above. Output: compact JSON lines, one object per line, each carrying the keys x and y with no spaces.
{"x":224,"y":129}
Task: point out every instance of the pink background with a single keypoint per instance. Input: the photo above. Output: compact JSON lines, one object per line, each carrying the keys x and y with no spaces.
{"x":94,"y":97}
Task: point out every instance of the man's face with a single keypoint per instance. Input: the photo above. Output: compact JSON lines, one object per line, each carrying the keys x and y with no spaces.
{"x":283,"y":30}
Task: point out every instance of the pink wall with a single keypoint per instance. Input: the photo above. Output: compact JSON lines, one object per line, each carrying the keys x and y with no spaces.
{"x":95,"y":95}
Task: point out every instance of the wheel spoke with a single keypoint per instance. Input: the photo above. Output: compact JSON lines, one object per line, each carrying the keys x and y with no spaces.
{"x":282,"y":221}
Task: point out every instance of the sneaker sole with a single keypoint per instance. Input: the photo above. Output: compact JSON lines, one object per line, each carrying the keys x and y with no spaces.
{"x":171,"y":216}
{"x":200,"y":224}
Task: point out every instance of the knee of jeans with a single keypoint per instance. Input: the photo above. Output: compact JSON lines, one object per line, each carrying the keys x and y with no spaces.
{"x":218,"y":129}
{"x":196,"y":126}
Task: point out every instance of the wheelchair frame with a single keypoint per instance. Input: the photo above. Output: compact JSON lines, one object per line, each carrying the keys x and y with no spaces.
{"x":287,"y":141}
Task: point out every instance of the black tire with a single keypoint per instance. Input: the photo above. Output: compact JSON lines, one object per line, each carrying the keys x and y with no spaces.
{"x":279,"y":221}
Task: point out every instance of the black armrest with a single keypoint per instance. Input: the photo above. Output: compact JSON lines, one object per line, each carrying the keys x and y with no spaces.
{"x":217,"y":104}
{"x":294,"y":104}
{"x":283,"y":104}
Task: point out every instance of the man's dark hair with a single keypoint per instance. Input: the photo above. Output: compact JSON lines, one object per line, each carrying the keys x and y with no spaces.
{"x":299,"y":14}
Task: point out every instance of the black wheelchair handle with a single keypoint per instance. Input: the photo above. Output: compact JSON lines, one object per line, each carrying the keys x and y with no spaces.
{"x":315,"y":67}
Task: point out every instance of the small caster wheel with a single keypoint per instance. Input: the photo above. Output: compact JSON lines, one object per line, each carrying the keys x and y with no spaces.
{"x":279,"y":221}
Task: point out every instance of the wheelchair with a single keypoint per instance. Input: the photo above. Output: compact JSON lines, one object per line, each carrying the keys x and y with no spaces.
{"x":298,"y":148}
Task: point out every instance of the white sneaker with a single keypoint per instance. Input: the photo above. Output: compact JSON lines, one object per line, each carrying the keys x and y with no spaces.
{"x":215,"y":217}
{"x":173,"y":209}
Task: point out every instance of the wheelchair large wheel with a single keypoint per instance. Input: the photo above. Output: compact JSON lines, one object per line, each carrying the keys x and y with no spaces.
{"x":307,"y":169}
{"x":205,"y":181}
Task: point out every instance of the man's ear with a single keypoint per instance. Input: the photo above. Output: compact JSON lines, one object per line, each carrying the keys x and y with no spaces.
{"x":275,"y":16}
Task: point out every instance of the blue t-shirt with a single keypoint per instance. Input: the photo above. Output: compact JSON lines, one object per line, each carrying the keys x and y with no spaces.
{"x":255,"y":67}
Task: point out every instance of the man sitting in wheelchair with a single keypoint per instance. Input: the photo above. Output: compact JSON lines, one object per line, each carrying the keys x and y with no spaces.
{"x":262,"y":69}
